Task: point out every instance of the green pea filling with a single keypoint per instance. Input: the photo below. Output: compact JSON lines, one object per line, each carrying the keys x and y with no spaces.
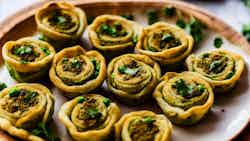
{"x":114,"y":29}
{"x":19,"y":100}
{"x":218,"y":42}
{"x":61,"y":20}
{"x":25,"y":52}
{"x":42,"y":130}
{"x":72,"y":65}
{"x":188,"y":90}
{"x":143,"y":129}
{"x":107,"y":101}
{"x":2,"y":86}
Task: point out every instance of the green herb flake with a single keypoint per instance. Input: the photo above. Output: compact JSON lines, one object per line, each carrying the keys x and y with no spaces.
{"x":81,"y":99}
{"x":195,"y":28}
{"x":42,"y":37}
{"x":65,"y":60}
{"x":107,"y":101}
{"x":104,"y":28}
{"x":128,"y":16}
{"x":246,"y":3}
{"x":152,"y":16}
{"x":229,"y":75}
{"x":90,"y":19}
{"x":169,"y":11}
{"x":14,"y":92}
{"x":148,"y":120}
{"x":127,"y":70}
{"x":218,"y":42}
{"x":246,"y":31}
{"x":181,"y":23}
{"x":23,"y":50}
{"x":76,"y":64}
{"x":135,"y":39}
{"x":167,"y":37}
{"x":150,"y":48}
{"x":30,"y":96}
{"x":46,"y":51}
{"x":42,"y":131}
{"x":93,"y":113}
{"x":201,"y":88}
{"x":23,"y":62}
{"x":61,"y":20}
{"x":2,"y":86}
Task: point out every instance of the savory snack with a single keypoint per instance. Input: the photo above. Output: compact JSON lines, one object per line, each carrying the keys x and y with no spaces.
{"x":133,"y":77}
{"x":27,"y":59}
{"x":76,"y":71}
{"x":90,"y":117}
{"x":143,"y":126}
{"x":113,"y":34}
{"x":165,"y":43}
{"x":221,"y":68}
{"x":23,"y":108}
{"x":60,"y":23}
{"x":184,"y":97}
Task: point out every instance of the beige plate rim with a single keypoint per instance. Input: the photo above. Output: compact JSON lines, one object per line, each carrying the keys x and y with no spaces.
{"x":205,"y":16}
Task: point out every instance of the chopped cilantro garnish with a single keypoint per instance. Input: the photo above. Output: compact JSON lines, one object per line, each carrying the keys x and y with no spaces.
{"x":128,"y":16}
{"x":148,"y":120}
{"x":2,"y":86}
{"x":93,"y":113}
{"x":14,"y":92}
{"x":127,"y":70}
{"x":81,"y":99}
{"x":45,"y":50}
{"x":218,"y":42}
{"x":246,"y":31}
{"x":106,"y":101}
{"x":169,"y":11}
{"x":152,"y":16}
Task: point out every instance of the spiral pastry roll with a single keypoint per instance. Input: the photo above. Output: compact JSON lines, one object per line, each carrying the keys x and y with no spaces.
{"x":90,"y":117}
{"x":221,"y":68}
{"x":61,"y":22}
{"x":77,"y":71}
{"x":165,"y":43}
{"x":132,"y":77}
{"x":27,"y":59}
{"x":143,"y":126}
{"x":184,"y":97}
{"x":113,"y":34}
{"x":22,"y":107}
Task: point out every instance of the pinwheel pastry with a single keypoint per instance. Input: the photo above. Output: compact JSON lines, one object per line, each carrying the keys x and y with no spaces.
{"x":184,"y":97}
{"x":60,"y":23}
{"x":28,"y":59}
{"x":133,"y":77}
{"x":113,"y":34}
{"x":143,"y":126}
{"x":90,"y":117}
{"x":221,"y":68}
{"x":24,"y":108}
{"x":77,"y":71}
{"x":165,"y":43}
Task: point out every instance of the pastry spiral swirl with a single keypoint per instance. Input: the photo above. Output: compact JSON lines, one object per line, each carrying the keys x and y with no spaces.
{"x":132,"y":77}
{"x":22,"y":107}
{"x":165,"y":43}
{"x":184,"y":97}
{"x":143,"y":126}
{"x":89,"y":117}
{"x":27,"y":59}
{"x":113,"y":34}
{"x":61,"y":22}
{"x":77,"y":71}
{"x":221,"y":68}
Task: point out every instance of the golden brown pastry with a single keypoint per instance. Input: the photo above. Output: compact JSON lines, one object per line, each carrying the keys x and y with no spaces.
{"x":133,"y":77}
{"x":76,"y":71}
{"x":184,"y":97}
{"x":24,"y":108}
{"x":113,"y":34}
{"x":28,"y":59}
{"x":143,"y":126}
{"x":60,"y":23}
{"x":90,"y":117}
{"x":165,"y":43}
{"x":221,"y":68}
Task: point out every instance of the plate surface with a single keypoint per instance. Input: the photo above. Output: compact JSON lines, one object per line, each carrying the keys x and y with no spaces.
{"x":230,"y":113}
